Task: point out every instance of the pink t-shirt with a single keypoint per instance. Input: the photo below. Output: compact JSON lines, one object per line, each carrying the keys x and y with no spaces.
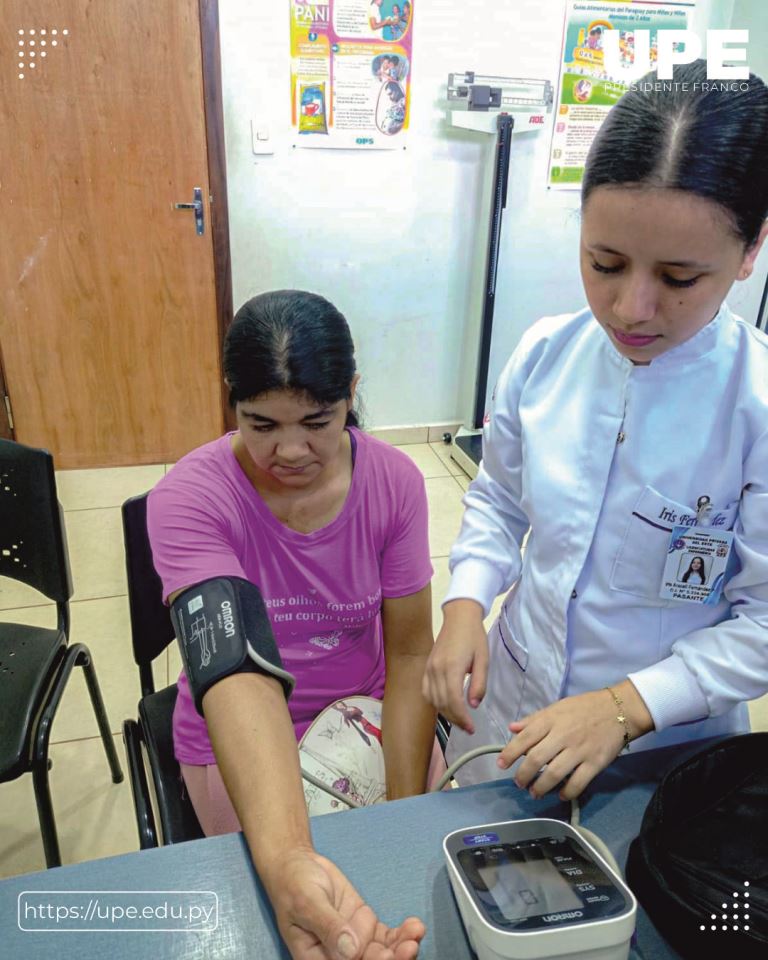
{"x":323,"y":590}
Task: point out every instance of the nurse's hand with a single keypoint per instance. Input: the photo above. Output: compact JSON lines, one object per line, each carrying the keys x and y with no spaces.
{"x":574,"y":739}
{"x":461,"y":648}
{"x":321,"y":916}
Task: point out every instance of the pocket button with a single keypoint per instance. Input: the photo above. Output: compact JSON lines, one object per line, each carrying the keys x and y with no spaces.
{"x":574,"y":594}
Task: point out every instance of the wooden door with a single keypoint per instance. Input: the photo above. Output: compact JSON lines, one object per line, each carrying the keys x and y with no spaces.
{"x":108,"y":316}
{"x":6,"y":430}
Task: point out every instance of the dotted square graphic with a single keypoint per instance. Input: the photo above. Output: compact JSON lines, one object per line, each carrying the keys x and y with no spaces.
{"x":30,"y":45}
{"x":736,"y":916}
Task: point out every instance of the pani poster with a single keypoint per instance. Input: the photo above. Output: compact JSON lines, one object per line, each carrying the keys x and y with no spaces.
{"x":586,"y":91}
{"x":351,"y":72}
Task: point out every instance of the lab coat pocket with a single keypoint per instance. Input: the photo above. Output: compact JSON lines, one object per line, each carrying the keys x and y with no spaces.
{"x":639,"y":564}
{"x":507,"y":674}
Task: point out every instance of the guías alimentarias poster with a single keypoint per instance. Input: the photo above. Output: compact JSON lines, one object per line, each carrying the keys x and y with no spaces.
{"x":587,"y":90}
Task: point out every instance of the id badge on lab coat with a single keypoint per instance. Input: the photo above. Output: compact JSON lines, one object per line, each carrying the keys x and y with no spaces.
{"x":694,"y":571}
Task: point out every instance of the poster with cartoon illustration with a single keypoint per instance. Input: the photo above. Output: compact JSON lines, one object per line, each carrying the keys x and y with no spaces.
{"x":342,"y":747}
{"x":586,"y":91}
{"x":351,"y":72}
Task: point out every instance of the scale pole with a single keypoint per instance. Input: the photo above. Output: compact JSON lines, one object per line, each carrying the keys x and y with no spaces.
{"x":500,"y":177}
{"x":762,"y":317}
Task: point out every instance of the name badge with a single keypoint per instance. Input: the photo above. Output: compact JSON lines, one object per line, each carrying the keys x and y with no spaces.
{"x":697,"y":558}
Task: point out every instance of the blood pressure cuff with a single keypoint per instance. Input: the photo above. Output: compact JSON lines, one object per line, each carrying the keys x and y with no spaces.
{"x":700,"y":864}
{"x":223,"y":628}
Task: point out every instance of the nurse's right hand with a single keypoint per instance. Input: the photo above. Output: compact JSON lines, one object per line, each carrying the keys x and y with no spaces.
{"x":461,"y":648}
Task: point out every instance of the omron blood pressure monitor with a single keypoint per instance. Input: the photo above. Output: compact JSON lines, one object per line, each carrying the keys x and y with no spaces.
{"x":536,"y":889}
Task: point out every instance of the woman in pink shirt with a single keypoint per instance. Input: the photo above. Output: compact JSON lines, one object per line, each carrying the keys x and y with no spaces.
{"x":331,"y":525}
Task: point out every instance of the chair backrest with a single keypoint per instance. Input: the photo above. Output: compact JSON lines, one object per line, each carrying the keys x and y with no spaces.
{"x":33,"y":545}
{"x":151,"y":626}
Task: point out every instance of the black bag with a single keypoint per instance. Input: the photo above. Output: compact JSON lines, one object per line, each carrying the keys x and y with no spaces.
{"x":703,"y":844}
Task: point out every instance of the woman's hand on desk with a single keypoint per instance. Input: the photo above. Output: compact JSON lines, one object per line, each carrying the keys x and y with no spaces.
{"x":322,"y":917}
{"x":574,"y":739}
{"x":317,"y":909}
{"x":461,"y":648}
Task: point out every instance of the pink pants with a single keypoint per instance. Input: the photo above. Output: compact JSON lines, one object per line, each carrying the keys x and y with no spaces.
{"x":214,"y":808}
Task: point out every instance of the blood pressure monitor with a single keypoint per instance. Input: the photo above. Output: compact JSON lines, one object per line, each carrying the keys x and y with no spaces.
{"x":537,"y":889}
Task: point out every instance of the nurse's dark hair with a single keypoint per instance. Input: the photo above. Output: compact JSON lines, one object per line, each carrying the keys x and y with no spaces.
{"x":689,"y":134}
{"x":290,"y":340}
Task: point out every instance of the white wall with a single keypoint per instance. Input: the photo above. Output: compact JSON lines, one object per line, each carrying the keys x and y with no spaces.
{"x":753,"y":15}
{"x":396,"y":239}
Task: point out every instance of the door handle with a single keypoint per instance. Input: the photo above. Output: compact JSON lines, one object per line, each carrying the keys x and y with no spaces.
{"x":197,"y":206}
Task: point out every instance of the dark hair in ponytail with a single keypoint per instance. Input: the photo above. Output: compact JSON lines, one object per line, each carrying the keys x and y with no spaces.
{"x":290,"y":340}
{"x":704,"y":137}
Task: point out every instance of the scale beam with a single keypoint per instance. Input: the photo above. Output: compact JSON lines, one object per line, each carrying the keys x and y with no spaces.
{"x":502,"y":107}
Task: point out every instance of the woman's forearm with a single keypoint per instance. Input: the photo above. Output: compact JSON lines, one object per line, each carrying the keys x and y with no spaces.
{"x":408,"y":727}
{"x":318,"y":911}
{"x":255,"y":747}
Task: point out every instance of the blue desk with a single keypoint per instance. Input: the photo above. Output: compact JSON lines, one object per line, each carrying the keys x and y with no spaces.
{"x":391,"y":852}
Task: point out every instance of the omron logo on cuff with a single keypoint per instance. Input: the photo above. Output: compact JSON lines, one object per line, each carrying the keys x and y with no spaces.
{"x":223,"y":628}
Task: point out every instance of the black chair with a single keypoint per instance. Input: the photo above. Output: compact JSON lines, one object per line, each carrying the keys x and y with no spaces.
{"x":35,"y":663}
{"x":151,"y":735}
{"x":151,"y":632}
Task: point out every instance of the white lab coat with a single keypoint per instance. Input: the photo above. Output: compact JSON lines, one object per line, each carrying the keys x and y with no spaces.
{"x":595,"y":454}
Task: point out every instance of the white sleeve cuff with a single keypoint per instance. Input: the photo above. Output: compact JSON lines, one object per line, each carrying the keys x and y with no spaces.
{"x":473,"y":579}
{"x":671,"y":693}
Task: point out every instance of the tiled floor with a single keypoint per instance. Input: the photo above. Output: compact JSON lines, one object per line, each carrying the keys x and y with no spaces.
{"x":94,"y":816}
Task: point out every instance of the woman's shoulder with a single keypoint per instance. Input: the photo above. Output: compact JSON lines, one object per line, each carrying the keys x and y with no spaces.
{"x":212,"y":456}
{"x":550,"y":331}
{"x":547,"y":341}
{"x":391,"y":497}
{"x":749,"y":356}
{"x":386,"y":466}
{"x":198,"y":474}
{"x":750,"y":339}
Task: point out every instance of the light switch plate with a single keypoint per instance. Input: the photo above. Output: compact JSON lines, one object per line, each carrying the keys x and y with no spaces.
{"x":261,"y":136}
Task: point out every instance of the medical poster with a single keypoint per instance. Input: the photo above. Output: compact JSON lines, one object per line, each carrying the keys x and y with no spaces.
{"x":351,"y":72}
{"x":586,"y":92}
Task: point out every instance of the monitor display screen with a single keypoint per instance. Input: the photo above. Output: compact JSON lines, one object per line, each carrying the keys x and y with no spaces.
{"x":528,"y":888}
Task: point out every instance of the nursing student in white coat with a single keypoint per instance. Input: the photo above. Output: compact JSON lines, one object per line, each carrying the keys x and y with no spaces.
{"x":607,"y":428}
